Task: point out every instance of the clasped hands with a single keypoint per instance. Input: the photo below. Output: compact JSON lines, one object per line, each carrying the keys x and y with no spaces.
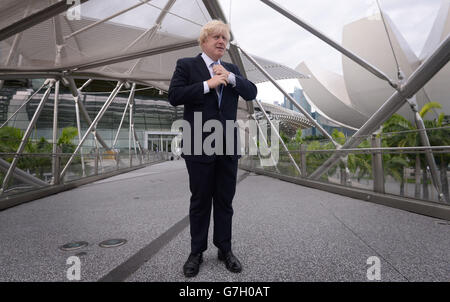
{"x":220,"y":77}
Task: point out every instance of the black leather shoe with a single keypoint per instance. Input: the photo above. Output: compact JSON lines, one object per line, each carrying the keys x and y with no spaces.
{"x":231,"y":262}
{"x":192,"y":265}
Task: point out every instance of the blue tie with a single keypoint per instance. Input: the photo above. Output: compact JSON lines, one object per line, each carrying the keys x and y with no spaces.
{"x":220,"y":88}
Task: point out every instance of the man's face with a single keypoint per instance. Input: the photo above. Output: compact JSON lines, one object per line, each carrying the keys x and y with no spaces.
{"x":215,"y":46}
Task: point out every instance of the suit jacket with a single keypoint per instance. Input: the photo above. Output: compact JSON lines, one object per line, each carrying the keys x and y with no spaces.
{"x":186,"y":88}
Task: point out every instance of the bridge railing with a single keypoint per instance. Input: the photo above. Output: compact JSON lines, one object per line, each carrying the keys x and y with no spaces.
{"x":41,"y":171}
{"x":395,"y":171}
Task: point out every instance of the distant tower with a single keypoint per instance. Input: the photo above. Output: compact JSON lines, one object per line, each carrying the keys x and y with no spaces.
{"x":300,"y":98}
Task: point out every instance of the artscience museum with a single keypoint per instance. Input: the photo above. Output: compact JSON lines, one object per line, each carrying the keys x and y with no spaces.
{"x":353,"y":97}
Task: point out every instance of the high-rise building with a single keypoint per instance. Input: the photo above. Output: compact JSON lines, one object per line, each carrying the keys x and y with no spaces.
{"x":300,"y":98}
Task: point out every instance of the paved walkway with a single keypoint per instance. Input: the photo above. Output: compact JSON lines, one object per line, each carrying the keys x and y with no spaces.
{"x":281,"y":232}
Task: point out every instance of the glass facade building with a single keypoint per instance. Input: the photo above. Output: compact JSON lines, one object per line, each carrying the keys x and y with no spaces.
{"x":150,"y":115}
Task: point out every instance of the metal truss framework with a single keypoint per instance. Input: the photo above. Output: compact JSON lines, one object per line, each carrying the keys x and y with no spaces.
{"x":290,"y":118}
{"x":405,"y":90}
{"x":36,"y":18}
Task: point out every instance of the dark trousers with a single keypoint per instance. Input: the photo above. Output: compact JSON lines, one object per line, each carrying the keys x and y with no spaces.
{"x":212,"y":185}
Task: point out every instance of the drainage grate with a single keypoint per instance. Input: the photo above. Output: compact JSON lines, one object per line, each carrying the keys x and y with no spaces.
{"x":442,"y":222}
{"x":73,"y":246}
{"x":112,"y":243}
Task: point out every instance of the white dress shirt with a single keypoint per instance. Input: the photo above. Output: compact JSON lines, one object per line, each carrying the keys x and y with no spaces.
{"x":208,"y":61}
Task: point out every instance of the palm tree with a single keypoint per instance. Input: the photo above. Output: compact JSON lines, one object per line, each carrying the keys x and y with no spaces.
{"x":394,"y":166}
{"x":439,"y":137}
{"x":298,"y":136}
{"x":10,"y":139}
{"x":360,"y":163}
{"x":398,"y":123}
{"x":315,"y":160}
{"x":65,"y":140}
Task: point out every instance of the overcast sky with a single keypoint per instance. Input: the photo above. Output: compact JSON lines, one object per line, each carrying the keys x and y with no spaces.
{"x":266,"y":33}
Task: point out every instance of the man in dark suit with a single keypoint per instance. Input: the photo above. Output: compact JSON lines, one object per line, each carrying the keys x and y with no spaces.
{"x":209,"y":90}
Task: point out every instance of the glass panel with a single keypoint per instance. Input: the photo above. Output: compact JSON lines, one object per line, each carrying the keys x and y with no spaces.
{"x":151,"y":114}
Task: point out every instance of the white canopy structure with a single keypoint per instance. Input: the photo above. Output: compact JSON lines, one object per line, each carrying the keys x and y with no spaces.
{"x":128,"y":41}
{"x":141,"y":43}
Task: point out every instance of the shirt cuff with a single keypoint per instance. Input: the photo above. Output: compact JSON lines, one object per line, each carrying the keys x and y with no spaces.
{"x":205,"y":87}
{"x":232,"y":79}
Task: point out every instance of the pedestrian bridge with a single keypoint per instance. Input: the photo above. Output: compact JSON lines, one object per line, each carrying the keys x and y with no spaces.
{"x":282,"y":231}
{"x":326,"y":210}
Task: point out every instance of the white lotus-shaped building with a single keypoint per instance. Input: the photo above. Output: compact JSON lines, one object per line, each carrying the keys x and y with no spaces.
{"x":438,"y":89}
{"x":356,"y":95}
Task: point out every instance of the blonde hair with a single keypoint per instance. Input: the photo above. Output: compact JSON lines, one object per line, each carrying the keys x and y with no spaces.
{"x":213,"y":27}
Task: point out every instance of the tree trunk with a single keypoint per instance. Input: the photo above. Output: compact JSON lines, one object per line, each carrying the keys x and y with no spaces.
{"x":417,"y":177}
{"x":444,"y":180}
{"x":425,"y":184}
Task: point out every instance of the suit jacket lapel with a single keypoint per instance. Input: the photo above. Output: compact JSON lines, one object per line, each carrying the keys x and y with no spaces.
{"x":204,"y":72}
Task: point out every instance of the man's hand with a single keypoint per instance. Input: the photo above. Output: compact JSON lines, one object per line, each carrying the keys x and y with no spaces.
{"x":220,"y":70}
{"x":217,"y":80}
